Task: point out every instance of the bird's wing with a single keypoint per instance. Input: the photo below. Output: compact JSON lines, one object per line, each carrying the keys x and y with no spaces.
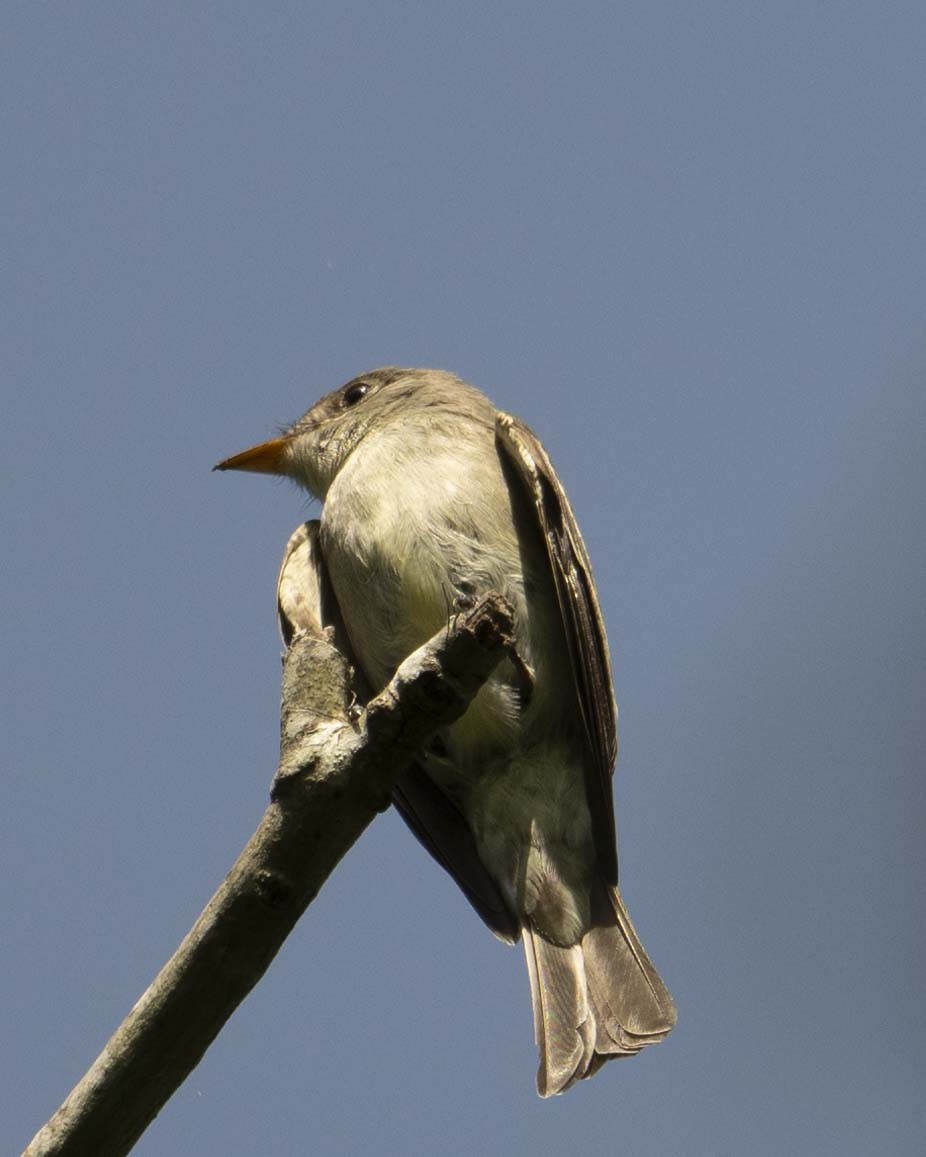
{"x":440,"y":826}
{"x":301,"y":583}
{"x":582,"y":622}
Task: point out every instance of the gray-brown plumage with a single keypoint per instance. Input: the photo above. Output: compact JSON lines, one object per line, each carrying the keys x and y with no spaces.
{"x":431,"y":498}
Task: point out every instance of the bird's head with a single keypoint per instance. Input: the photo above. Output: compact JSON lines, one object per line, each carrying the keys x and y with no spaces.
{"x":314,"y":449}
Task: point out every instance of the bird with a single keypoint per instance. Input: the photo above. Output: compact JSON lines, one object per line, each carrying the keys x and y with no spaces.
{"x":432,"y":497}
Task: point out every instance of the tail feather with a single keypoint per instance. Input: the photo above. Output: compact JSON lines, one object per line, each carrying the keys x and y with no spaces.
{"x":598,"y":999}
{"x":563,"y":1026}
{"x":637,"y":1006}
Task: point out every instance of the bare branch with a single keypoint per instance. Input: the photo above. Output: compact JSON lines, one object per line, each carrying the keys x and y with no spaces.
{"x":338,"y":765}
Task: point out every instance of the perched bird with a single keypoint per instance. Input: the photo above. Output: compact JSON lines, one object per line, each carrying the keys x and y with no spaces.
{"x":432,"y":498}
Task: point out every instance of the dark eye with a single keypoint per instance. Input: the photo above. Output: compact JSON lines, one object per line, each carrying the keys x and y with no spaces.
{"x":355,"y":392}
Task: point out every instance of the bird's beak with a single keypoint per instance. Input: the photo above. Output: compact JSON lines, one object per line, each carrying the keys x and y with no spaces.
{"x":267,"y":458}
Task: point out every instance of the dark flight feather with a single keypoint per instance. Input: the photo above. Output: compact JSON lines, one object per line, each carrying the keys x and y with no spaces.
{"x":582,"y":623}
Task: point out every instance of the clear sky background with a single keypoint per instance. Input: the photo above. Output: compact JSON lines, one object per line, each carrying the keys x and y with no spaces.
{"x":687,"y":243}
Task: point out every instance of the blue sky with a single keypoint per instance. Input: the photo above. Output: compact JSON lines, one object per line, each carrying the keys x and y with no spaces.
{"x":687,"y":244}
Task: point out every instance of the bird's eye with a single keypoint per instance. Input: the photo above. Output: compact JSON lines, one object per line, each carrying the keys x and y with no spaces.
{"x":354,"y":393}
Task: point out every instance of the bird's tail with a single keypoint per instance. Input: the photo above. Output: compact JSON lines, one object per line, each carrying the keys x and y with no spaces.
{"x":598,"y":999}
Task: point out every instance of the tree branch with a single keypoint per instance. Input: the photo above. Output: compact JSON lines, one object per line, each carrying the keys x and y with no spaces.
{"x":338,"y":765}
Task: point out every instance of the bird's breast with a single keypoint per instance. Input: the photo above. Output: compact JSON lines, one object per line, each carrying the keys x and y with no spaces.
{"x":405,"y":534}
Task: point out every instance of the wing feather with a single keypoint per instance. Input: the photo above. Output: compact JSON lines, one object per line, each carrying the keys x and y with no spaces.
{"x":582,"y":622}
